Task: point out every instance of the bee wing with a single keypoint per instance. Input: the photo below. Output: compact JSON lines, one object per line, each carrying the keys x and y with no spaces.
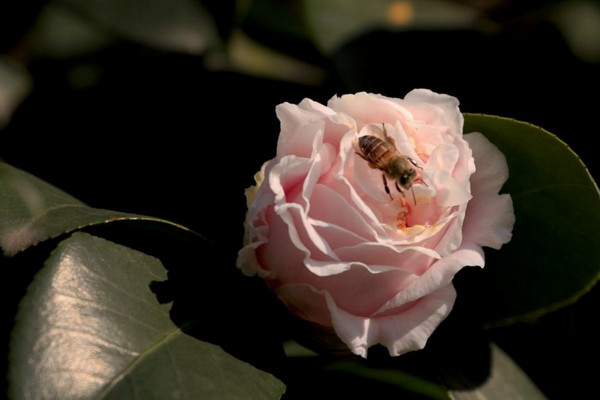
{"x":377,"y":130}
{"x":358,"y":150}
{"x":380,"y":131}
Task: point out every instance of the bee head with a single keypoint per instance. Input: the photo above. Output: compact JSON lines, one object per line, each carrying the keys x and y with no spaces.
{"x":407,"y":177}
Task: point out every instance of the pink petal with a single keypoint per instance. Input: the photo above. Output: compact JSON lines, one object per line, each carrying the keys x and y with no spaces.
{"x":492,"y":169}
{"x":330,"y":207}
{"x":406,"y":331}
{"x":489,"y":221}
{"x":286,"y":175}
{"x":435,"y":109}
{"x":490,"y":217}
{"x":439,"y":275}
{"x":299,"y":126}
{"x":367,"y":108}
{"x":410,"y":259}
{"x":410,"y":330}
{"x":306,"y":302}
{"x":294,"y":257}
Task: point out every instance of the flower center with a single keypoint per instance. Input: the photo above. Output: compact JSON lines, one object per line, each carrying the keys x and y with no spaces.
{"x":402,"y":215}
{"x":407,"y":213}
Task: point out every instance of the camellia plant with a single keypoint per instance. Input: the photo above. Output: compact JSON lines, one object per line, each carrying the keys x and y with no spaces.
{"x":400,"y":241}
{"x":356,"y":256}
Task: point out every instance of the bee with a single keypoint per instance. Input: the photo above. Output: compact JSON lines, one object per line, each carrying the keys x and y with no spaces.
{"x":381,"y":153}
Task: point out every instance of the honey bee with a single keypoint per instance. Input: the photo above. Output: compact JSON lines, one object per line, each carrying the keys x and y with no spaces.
{"x":381,"y":153}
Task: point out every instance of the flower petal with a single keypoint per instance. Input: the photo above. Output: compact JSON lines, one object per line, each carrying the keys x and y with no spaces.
{"x":299,"y":124}
{"x":406,"y":331}
{"x":489,"y":220}
{"x":410,"y":330}
{"x":490,"y":217}
{"x":305,"y":301}
{"x":438,"y":275}
{"x":366,"y":108}
{"x":492,"y":169}
{"x":380,"y":258}
{"x":435,"y":109}
{"x":332,"y":208}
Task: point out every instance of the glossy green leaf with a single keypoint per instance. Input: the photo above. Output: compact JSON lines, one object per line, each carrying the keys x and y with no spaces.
{"x":90,"y":327}
{"x":32,"y":211}
{"x":554,"y":256}
{"x":333,"y":23}
{"x":506,"y":381}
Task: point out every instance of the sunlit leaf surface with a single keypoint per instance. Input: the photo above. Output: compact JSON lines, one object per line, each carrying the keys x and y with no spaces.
{"x":90,"y":327}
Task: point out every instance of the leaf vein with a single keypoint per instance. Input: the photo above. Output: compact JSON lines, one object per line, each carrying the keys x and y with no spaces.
{"x":137,"y":360}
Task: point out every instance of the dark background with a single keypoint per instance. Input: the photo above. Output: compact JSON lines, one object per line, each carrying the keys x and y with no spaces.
{"x":123,"y":123}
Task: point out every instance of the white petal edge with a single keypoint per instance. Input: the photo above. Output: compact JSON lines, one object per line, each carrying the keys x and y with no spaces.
{"x":490,"y":217}
{"x":491,"y":167}
{"x":400,"y":333}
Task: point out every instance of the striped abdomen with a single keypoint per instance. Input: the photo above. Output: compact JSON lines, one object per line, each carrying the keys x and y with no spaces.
{"x":376,"y":151}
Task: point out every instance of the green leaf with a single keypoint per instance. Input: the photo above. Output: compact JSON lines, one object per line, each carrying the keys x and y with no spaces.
{"x":333,"y":23}
{"x":506,"y":381}
{"x":395,"y":377}
{"x":554,"y":256}
{"x":90,"y":327}
{"x":32,"y":211}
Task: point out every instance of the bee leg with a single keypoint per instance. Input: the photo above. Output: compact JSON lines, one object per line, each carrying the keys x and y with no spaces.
{"x":385,"y":185}
{"x":399,"y":189}
{"x":413,"y":193}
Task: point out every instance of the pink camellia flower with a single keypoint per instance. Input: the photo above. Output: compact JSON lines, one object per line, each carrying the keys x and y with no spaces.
{"x":343,"y":253}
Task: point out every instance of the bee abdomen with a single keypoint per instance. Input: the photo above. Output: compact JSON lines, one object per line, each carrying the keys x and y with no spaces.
{"x":373,"y":148}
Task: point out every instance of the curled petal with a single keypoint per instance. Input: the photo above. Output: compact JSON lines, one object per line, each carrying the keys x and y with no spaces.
{"x":299,"y":125}
{"x":439,"y":274}
{"x":492,"y":169}
{"x":489,"y":221}
{"x":406,"y":331}
{"x":435,"y":109}
{"x":490,"y":217}
{"x":366,"y":108}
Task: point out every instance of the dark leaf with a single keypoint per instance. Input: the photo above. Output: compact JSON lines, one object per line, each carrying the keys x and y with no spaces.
{"x":554,"y":256}
{"x":506,"y":381}
{"x":32,"y":211}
